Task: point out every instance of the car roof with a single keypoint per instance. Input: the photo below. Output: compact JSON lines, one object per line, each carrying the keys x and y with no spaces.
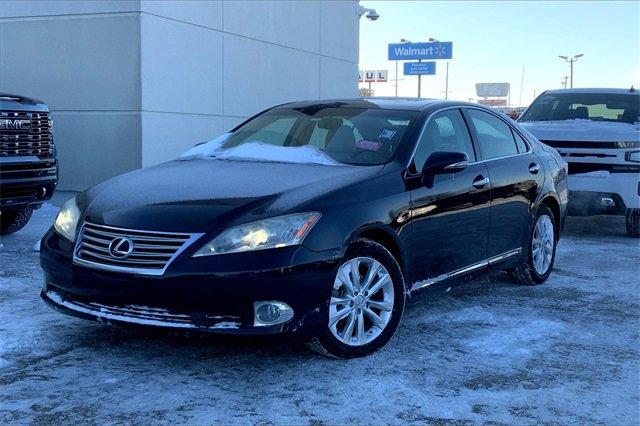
{"x":410,"y":104}
{"x":616,"y":91}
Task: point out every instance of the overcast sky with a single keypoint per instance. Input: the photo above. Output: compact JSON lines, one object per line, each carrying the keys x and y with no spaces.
{"x":493,"y":40}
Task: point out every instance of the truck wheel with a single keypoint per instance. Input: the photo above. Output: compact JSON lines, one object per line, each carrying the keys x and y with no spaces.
{"x":633,"y":223}
{"x":14,"y":220}
{"x":537,"y":261}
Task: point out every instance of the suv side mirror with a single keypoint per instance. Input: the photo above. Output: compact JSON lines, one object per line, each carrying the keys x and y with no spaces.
{"x":441,"y":162}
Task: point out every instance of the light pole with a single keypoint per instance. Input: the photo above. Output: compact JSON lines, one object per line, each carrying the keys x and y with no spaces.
{"x":571,"y":61}
{"x":446,"y":78}
{"x":431,"y":40}
{"x":563,"y":81}
{"x":402,"y":40}
{"x":446,"y":83}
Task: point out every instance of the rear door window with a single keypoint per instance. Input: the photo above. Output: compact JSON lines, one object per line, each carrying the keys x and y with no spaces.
{"x":521,"y":143}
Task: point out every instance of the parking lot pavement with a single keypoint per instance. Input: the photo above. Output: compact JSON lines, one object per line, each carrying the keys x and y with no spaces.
{"x":564,"y":352}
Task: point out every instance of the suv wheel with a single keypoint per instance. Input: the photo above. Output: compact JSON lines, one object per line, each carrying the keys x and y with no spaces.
{"x":633,"y":223}
{"x":366,"y":303}
{"x":14,"y":220}
{"x":536,"y":265}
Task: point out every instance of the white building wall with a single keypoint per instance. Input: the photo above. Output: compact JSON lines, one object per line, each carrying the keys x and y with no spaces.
{"x":135,"y":83}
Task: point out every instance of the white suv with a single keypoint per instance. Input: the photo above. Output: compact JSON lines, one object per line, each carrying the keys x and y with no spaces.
{"x":597,"y":131}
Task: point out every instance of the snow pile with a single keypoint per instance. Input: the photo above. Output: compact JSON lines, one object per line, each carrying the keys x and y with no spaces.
{"x":259,"y":151}
{"x":595,"y":174}
{"x":206,"y":149}
{"x":581,"y":129}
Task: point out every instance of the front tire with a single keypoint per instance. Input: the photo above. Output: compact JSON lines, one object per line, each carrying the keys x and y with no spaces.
{"x":537,"y":263}
{"x":366,"y":304}
{"x":633,"y":223}
{"x":14,"y":220}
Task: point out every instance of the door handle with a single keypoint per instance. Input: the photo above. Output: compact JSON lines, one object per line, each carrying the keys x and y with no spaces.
{"x":480,"y":182}
{"x":534,"y":168}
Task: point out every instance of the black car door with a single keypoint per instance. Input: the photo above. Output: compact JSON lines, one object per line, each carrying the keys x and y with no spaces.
{"x":450,"y":219}
{"x":516,"y":176}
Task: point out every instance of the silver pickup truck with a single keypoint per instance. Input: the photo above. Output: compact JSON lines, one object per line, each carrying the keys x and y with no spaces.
{"x":597,"y":131}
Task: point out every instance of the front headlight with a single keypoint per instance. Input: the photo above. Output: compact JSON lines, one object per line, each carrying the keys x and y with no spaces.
{"x":281,"y":231}
{"x":67,"y":220}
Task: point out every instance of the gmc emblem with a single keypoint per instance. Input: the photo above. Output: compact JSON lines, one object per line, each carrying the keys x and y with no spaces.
{"x":7,"y":124}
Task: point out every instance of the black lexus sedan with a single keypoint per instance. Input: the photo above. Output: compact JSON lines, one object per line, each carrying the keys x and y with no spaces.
{"x":314,"y":219}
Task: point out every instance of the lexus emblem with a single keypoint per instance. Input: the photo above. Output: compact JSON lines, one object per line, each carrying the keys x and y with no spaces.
{"x":121,"y":247}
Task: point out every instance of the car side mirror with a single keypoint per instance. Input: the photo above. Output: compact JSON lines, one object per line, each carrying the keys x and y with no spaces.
{"x":441,"y":162}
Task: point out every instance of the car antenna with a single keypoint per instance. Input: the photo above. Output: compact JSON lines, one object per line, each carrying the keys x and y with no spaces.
{"x":632,"y":90}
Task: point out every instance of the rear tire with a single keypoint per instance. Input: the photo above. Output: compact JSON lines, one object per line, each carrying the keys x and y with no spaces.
{"x":369,"y":308}
{"x":14,"y":220}
{"x":633,"y":223}
{"x":537,"y":263}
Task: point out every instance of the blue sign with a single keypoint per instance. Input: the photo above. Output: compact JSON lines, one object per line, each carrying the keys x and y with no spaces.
{"x":419,"y":68}
{"x":431,"y":50}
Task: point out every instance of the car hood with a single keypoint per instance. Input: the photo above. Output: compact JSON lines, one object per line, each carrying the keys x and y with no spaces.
{"x":199,"y":195}
{"x":582,"y":130}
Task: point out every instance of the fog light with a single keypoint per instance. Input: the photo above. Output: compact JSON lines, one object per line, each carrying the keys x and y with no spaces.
{"x":271,"y":313}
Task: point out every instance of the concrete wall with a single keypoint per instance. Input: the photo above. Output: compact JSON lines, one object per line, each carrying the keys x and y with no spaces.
{"x":134,"y":83}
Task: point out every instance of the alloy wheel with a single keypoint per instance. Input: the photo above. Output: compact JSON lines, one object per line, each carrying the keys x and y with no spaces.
{"x":542,"y":244}
{"x":362,"y":301}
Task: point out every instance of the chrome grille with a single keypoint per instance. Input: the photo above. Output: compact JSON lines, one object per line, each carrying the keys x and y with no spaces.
{"x":592,"y":144}
{"x":37,"y":140}
{"x":136,"y":311}
{"x":152,"y":250}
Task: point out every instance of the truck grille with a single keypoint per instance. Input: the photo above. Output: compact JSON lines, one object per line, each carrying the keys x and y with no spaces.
{"x":151,"y":251}
{"x":33,"y":140}
{"x":37,"y":170}
{"x":592,"y":145}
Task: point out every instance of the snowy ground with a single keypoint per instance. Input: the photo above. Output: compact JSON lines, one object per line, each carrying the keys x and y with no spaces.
{"x":565,"y":352}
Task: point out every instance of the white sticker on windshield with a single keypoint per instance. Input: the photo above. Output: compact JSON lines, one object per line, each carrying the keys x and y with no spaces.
{"x":387,"y":134}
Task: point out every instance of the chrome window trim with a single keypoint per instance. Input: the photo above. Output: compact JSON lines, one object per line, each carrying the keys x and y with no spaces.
{"x":128,"y":269}
{"x":475,"y":266}
{"x":474,"y":143}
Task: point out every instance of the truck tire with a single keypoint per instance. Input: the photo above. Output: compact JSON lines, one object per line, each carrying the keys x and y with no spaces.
{"x":14,"y":220}
{"x":633,"y":223}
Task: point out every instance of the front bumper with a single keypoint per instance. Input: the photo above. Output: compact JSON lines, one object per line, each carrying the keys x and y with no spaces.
{"x":621,"y":187}
{"x":188,"y":296}
{"x":26,"y":181}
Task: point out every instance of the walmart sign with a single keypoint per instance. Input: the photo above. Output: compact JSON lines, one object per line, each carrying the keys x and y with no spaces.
{"x":420,"y":68}
{"x":431,"y":50}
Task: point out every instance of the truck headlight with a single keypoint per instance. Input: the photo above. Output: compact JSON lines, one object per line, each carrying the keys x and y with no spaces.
{"x":67,"y":220}
{"x":281,"y":231}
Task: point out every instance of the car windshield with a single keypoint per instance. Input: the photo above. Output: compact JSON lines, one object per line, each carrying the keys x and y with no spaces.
{"x":353,"y":136}
{"x":620,"y":108}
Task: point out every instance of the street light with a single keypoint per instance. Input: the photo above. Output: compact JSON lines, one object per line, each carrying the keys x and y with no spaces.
{"x":571,"y":61}
{"x":402,"y":40}
{"x":446,"y":78}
